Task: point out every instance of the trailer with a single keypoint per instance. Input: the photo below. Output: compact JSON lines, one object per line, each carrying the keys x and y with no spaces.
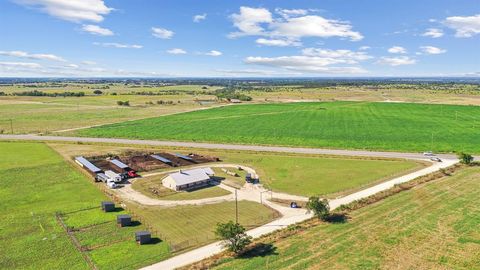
{"x":115,"y":177}
{"x":101,"y":177}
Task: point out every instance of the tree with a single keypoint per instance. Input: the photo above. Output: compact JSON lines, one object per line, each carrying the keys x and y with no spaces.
{"x":465,"y":158}
{"x":97,"y":92}
{"x":233,"y":236}
{"x":320,"y":208}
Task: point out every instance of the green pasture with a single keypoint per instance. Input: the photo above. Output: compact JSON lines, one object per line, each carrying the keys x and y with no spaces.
{"x":351,"y":125}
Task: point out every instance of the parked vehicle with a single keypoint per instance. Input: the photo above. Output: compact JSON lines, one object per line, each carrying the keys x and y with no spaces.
{"x":115,"y":177}
{"x":428,"y":153}
{"x":101,"y":177}
{"x":132,"y":174}
{"x":435,"y":159}
{"x":111,"y":184}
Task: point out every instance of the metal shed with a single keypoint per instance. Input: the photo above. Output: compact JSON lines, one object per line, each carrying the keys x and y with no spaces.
{"x":143,"y":237}
{"x":108,"y":206}
{"x":120,"y":164}
{"x":184,"y":157}
{"x":162,"y":159}
{"x":87,"y":164}
{"x":124,"y":220}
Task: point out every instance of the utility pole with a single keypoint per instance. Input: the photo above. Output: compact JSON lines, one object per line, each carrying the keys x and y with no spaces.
{"x":236,"y":207}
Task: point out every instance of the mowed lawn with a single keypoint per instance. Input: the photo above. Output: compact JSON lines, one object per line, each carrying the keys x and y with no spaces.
{"x":194,"y":225}
{"x":434,"y":226}
{"x":36,"y":183}
{"x":358,"y":125}
{"x":310,"y":175}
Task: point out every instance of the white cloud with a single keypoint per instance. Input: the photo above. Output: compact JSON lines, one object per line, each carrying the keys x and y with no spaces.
{"x":433,"y":33}
{"x":364,"y":48}
{"x":97,"y":30}
{"x":464,"y":27}
{"x":162,"y":33}
{"x":315,"y":60}
{"x":249,"y":19}
{"x":118,"y":45}
{"x":314,"y":26}
{"x":291,"y":12}
{"x":70,"y":10}
{"x":432,"y":50}
{"x":292,"y":25}
{"x":88,"y":63}
{"x":345,"y":56}
{"x":213,"y":53}
{"x":36,"y":56}
{"x":397,"y":49}
{"x":396,"y":61}
{"x":256,"y":72}
{"x":17,"y":65}
{"x":199,"y":17}
{"x":278,"y":42}
{"x":176,"y":51}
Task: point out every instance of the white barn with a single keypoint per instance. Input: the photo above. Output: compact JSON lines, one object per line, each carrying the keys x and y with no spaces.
{"x":188,"y":179}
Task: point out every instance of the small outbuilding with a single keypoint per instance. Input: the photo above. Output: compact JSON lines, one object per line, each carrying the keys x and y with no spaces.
{"x":124,"y":220}
{"x":108,"y":206}
{"x":143,"y":237}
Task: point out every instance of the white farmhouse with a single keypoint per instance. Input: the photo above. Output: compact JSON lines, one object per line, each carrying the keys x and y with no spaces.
{"x":188,"y":179}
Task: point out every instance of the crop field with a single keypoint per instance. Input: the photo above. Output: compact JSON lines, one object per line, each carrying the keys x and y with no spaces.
{"x":359,"y":125}
{"x":194,"y":225}
{"x":152,"y":186}
{"x":36,"y":184}
{"x":434,"y":226}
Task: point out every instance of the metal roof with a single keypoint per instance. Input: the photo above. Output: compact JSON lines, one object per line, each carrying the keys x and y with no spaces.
{"x":162,"y":159}
{"x":191,"y":176}
{"x":119,"y":164}
{"x":142,"y":233}
{"x":183,"y":156}
{"x":88,"y":164}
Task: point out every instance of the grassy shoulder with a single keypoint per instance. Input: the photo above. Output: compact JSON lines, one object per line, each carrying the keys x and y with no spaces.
{"x":432,"y":226}
{"x":344,"y":125}
{"x":36,"y":184}
{"x":152,"y":187}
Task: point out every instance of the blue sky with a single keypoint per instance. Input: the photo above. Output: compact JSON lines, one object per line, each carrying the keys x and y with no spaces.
{"x":47,"y":38}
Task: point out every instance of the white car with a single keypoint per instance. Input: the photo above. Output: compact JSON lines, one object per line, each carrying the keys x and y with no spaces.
{"x":429,"y":154}
{"x":112,"y":184}
{"x":435,"y":159}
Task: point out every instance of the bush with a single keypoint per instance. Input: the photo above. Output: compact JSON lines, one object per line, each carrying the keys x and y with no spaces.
{"x":320,"y":208}
{"x":123,"y":103}
{"x":97,"y":92}
{"x":465,"y":158}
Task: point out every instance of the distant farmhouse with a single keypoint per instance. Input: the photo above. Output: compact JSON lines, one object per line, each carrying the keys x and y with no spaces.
{"x":188,"y":179}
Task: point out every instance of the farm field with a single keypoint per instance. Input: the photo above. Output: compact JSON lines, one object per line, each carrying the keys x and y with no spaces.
{"x":352,"y":125}
{"x":48,"y":114}
{"x":36,"y":184}
{"x":433,"y":226}
{"x":177,"y":226}
{"x":154,"y":183}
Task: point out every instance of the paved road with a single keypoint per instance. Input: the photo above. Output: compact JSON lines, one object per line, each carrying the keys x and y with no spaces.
{"x":298,"y":150}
